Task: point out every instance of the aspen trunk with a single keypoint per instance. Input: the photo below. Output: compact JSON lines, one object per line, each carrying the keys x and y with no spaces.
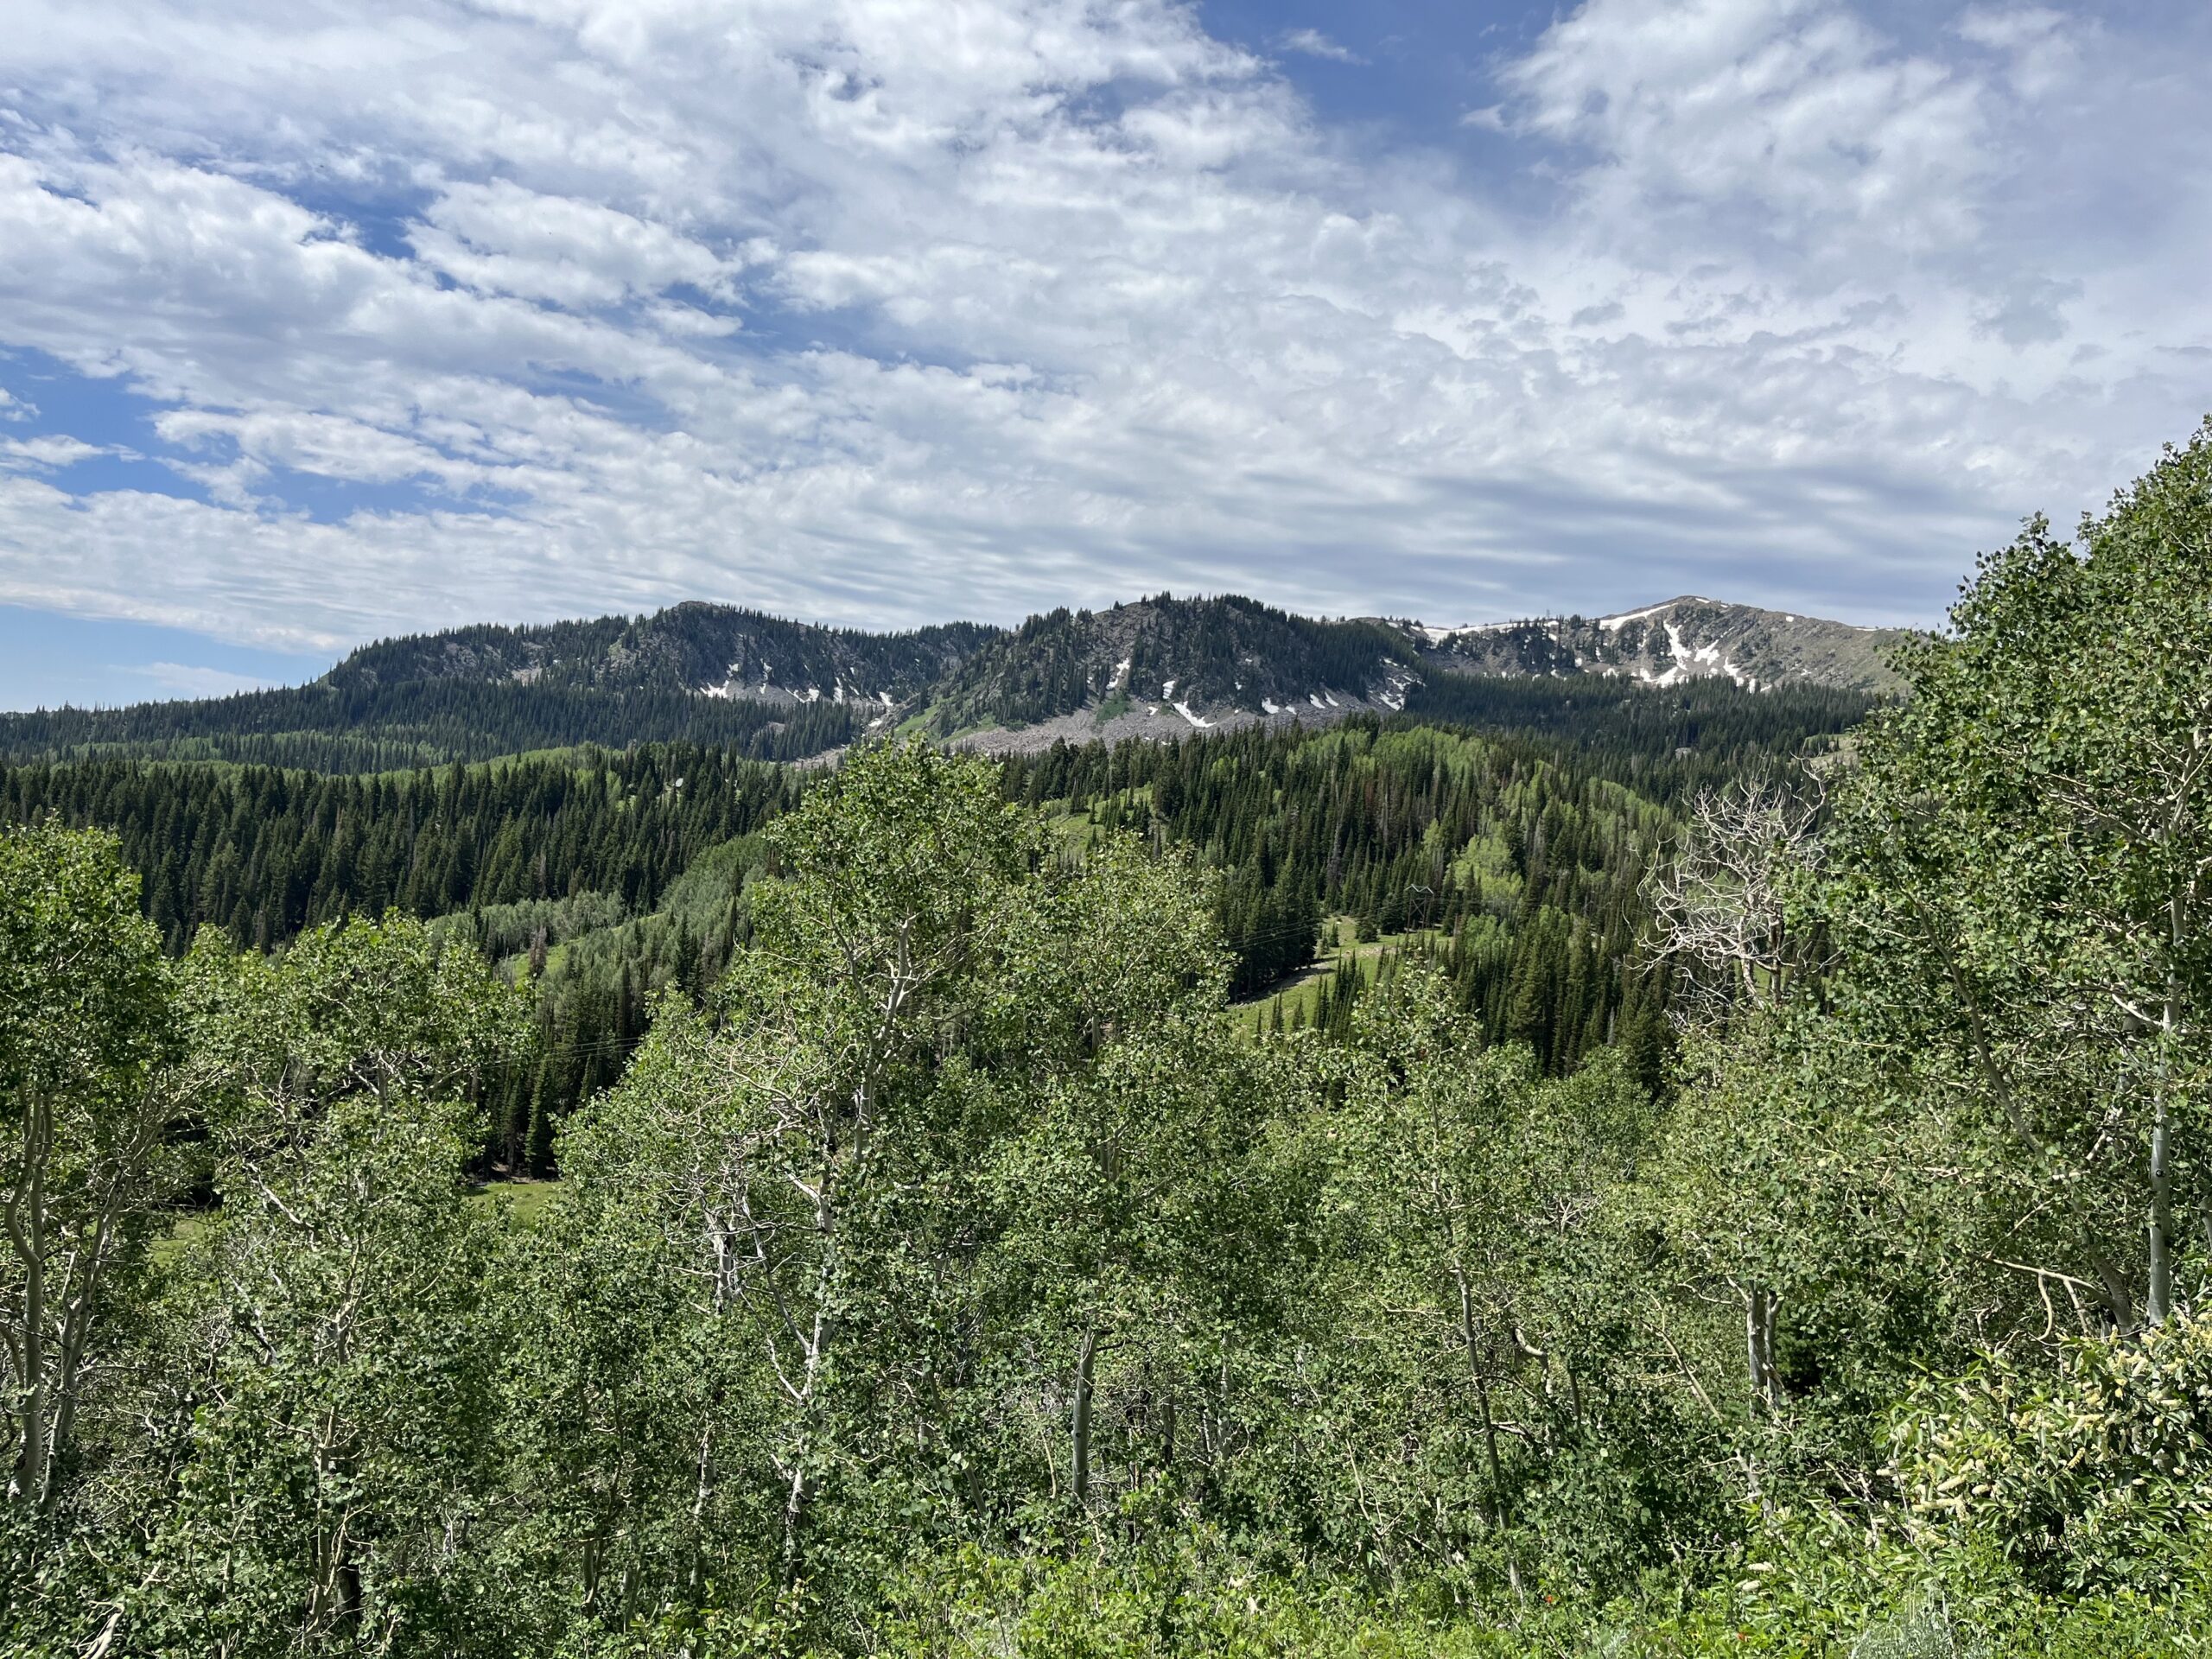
{"x":1498,"y":1504}
{"x":1086,"y":1356}
{"x":2158,"y":1300}
{"x":27,"y":1232}
{"x":1758,"y":1349}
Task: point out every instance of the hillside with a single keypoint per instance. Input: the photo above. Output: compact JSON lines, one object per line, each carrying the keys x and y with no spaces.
{"x":723,"y":651}
{"x":764,"y":687}
{"x":1663,"y":645}
{"x":407,"y":723}
{"x":1158,"y":670}
{"x":1166,"y":667}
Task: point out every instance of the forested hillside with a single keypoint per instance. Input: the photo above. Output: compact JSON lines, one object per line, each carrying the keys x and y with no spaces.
{"x":1212,"y":655}
{"x":947,"y":1271}
{"x":769,"y":689}
{"x":364,"y":727}
{"x":264,"y":853}
{"x":1523,"y":856}
{"x":684,"y":648}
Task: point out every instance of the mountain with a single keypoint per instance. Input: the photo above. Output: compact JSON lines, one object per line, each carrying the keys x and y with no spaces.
{"x":1166,"y":667}
{"x":759,"y":686}
{"x":773,"y":690}
{"x":1663,"y":645}
{"x":721,"y":650}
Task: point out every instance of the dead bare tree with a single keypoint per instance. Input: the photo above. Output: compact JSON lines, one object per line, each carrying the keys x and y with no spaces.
{"x":1722,"y":907}
{"x":1722,"y":915}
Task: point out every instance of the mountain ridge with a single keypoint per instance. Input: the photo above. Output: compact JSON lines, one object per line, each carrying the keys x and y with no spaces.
{"x":1156,"y":668}
{"x":1684,"y":638}
{"x":719,"y":650}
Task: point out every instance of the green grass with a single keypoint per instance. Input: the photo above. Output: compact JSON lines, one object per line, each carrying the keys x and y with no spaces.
{"x":524,"y":1200}
{"x":1302,"y":995}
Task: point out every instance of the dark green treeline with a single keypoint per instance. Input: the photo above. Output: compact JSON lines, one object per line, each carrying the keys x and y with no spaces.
{"x":1529,"y":872}
{"x":264,"y":853}
{"x":1666,"y":743}
{"x":369,"y":727}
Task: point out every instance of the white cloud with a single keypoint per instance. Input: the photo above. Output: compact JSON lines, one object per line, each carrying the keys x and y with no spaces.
{"x":1312,"y":43}
{"x":1791,"y":118}
{"x":500,"y":238}
{"x":883,"y":312}
{"x":2034,"y":41}
{"x":189,"y":680}
{"x":44,"y":453}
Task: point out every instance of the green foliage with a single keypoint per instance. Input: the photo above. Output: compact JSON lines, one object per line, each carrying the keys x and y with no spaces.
{"x":1529,"y":867}
{"x":2021,"y":887}
{"x":2091,"y":1478}
{"x":290,"y":1425}
{"x":947,"y":1271}
{"x":368,"y":728}
{"x":85,"y":1102}
{"x":265,"y":854}
{"x":1669,"y":743}
{"x":325,"y":1407}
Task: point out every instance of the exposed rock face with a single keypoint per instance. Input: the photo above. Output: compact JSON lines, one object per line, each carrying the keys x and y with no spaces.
{"x":1662,"y":644}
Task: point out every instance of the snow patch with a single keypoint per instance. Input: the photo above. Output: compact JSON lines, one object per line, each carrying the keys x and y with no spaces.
{"x":1184,"y":710}
{"x":1270,"y":706}
{"x":1121,"y":681}
{"x":1315,"y":697}
{"x":1611,"y":623}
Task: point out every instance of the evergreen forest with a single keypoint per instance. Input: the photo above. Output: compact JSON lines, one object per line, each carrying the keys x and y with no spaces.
{"x":1561,"y":1169}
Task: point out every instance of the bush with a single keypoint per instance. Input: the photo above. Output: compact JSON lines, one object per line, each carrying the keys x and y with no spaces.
{"x":2095,"y":1478}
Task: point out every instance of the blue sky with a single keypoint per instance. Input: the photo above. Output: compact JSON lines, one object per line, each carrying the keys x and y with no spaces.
{"x":320,"y":322}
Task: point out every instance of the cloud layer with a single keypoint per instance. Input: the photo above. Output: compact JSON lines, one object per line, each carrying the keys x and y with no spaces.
{"x":325,"y":325}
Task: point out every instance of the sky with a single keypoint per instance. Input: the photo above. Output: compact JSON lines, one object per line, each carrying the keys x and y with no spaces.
{"x":323,"y":322}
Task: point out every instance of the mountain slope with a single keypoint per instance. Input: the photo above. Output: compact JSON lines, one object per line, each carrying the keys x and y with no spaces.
{"x":1683,"y":639}
{"x":758,"y":685}
{"x":410,"y":723}
{"x":721,"y":650}
{"x":1178,"y":665}
{"x":768,"y":689}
